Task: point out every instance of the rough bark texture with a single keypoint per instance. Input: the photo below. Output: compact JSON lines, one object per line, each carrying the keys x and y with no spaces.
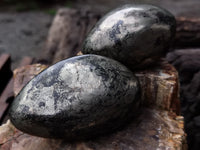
{"x":67,"y":32}
{"x":187,"y":32}
{"x":157,"y":126}
{"x":160,"y":87}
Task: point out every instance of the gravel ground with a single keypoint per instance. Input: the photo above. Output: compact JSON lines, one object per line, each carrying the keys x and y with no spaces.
{"x":23,"y":34}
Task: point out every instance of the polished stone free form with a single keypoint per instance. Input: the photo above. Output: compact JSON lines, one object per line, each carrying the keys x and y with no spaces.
{"x":135,"y":35}
{"x":77,"y":98}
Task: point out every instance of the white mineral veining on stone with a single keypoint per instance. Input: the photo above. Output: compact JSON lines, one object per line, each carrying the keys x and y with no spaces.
{"x":46,"y":95}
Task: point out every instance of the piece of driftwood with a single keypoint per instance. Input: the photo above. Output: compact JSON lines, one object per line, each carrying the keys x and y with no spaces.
{"x":66,"y":34}
{"x":156,"y":127}
{"x":188,"y":32}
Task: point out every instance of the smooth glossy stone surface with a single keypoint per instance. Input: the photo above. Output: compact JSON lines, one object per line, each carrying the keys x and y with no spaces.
{"x":135,"y":35}
{"x":77,"y":98}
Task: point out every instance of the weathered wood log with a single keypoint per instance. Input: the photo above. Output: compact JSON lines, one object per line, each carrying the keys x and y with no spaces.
{"x":160,"y":87}
{"x":152,"y":130}
{"x":187,"y":32}
{"x":156,"y":127}
{"x":67,"y":32}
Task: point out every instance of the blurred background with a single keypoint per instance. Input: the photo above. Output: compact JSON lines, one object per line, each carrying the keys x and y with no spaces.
{"x":24,"y":23}
{"x":24,"y":31}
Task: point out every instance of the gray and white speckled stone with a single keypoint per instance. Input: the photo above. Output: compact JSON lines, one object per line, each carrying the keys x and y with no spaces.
{"x":136,"y":35}
{"x":77,"y":98}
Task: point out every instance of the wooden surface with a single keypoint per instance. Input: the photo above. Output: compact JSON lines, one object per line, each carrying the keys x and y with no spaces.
{"x":155,"y":128}
{"x":152,"y":130}
{"x":160,"y":87}
{"x":66,"y":34}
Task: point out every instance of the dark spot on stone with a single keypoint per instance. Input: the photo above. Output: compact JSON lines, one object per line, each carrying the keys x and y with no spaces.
{"x":82,"y":110}
{"x":25,"y":109}
{"x":71,"y":100}
{"x":137,"y":14}
{"x":136,"y":24}
{"x":51,"y":80}
{"x":144,"y":14}
{"x":56,"y":98}
{"x":55,"y":94}
{"x":114,"y":31}
{"x":41,"y":104}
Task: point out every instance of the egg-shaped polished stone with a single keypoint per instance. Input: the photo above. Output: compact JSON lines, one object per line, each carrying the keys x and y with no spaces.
{"x":136,"y":35}
{"x":77,"y":98}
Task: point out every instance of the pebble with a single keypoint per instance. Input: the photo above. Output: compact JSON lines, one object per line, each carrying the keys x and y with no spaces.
{"x":77,"y":98}
{"x":136,"y":35}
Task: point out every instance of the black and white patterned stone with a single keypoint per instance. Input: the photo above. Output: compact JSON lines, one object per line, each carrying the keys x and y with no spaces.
{"x":135,"y":35}
{"x":77,"y":98}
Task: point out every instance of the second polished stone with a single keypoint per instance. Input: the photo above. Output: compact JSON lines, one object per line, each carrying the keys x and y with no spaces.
{"x":136,"y":35}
